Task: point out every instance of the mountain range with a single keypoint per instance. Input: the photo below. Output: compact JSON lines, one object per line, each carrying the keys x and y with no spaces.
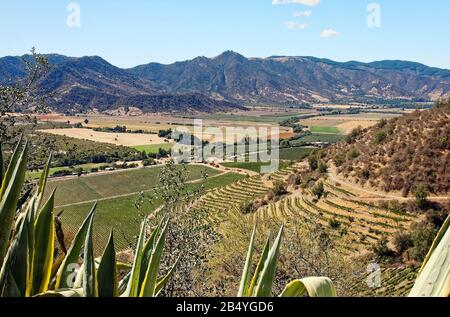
{"x":226,"y":82}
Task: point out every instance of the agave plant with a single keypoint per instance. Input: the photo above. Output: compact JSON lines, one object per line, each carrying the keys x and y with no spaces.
{"x":434,"y":276}
{"x":261,"y":283}
{"x":27,"y":236}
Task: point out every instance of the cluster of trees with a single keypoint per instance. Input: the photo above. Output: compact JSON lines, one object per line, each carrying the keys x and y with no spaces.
{"x":412,"y":245}
{"x":296,"y":140}
{"x":119,"y":129}
{"x":167,"y":134}
{"x":116,"y":129}
{"x":293,"y":123}
{"x":70,"y":152}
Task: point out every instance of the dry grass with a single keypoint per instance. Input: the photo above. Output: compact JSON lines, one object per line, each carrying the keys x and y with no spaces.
{"x":125,"y":139}
{"x":348,"y":126}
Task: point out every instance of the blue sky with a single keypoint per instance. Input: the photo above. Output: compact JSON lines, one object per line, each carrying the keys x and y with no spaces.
{"x":133,"y":32}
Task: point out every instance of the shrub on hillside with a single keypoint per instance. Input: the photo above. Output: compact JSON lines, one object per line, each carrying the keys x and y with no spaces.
{"x":382,"y":251}
{"x":353,"y":153}
{"x":421,"y":195}
{"x":339,"y":160}
{"x":318,"y":190}
{"x":313,"y":162}
{"x":402,"y":242}
{"x":148,"y":162}
{"x":422,"y":237}
{"x":280,"y":189}
{"x":379,"y":136}
{"x":354,"y":134}
{"x":323,"y":167}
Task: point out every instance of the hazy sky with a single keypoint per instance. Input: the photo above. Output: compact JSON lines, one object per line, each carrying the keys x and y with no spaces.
{"x":128,"y":33}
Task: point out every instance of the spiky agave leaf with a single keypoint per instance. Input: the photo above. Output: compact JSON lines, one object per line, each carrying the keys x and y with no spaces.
{"x":123,"y":283}
{"x":2,"y":165}
{"x":8,"y":174}
{"x":133,"y":285}
{"x":44,"y":176}
{"x":10,"y":194}
{"x":44,"y":243}
{"x":265,"y":282}
{"x":147,"y":252}
{"x":89,"y":273}
{"x":62,"y":293}
{"x":148,"y":288}
{"x":73,"y":254}
{"x":107,"y":271}
{"x":259,"y":267}
{"x":311,"y":287}
{"x":15,"y":267}
{"x":10,"y":289}
{"x":434,"y":276}
{"x":162,"y":281}
{"x":30,"y":219}
{"x":246,"y":275}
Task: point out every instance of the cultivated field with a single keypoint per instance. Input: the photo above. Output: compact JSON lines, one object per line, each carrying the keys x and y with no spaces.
{"x":395,"y":282}
{"x":116,"y":194}
{"x":252,"y":166}
{"x":119,"y":183}
{"x":344,"y":123}
{"x":154,"y":148}
{"x":153,"y":124}
{"x":125,"y":139}
{"x":85,"y":167}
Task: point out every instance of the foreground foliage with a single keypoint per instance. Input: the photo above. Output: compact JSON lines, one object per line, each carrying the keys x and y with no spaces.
{"x":260,"y":285}
{"x":27,"y":249}
{"x":434,"y":276}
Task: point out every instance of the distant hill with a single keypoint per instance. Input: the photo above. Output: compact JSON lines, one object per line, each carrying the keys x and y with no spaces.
{"x":400,"y":154}
{"x":88,"y":83}
{"x":280,"y":79}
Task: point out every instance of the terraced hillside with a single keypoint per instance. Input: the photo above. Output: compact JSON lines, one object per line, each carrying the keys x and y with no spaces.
{"x":218,"y":203}
{"x":116,"y":194}
{"x":353,"y":223}
{"x":282,"y":174}
{"x":394,"y":282}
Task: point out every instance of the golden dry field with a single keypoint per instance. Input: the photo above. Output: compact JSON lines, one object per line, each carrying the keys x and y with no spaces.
{"x":125,"y":139}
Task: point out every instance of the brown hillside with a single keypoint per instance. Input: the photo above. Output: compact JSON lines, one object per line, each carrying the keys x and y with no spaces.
{"x":400,"y":154}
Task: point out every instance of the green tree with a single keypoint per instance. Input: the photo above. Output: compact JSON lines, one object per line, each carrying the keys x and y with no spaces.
{"x":22,"y":96}
{"x":421,"y":195}
{"x":313,"y":162}
{"x":323,"y":167}
{"x":353,"y":153}
{"x":339,"y":159}
{"x":380,"y":136}
{"x":381,"y":249}
{"x":422,"y":236}
{"x":318,"y":190}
